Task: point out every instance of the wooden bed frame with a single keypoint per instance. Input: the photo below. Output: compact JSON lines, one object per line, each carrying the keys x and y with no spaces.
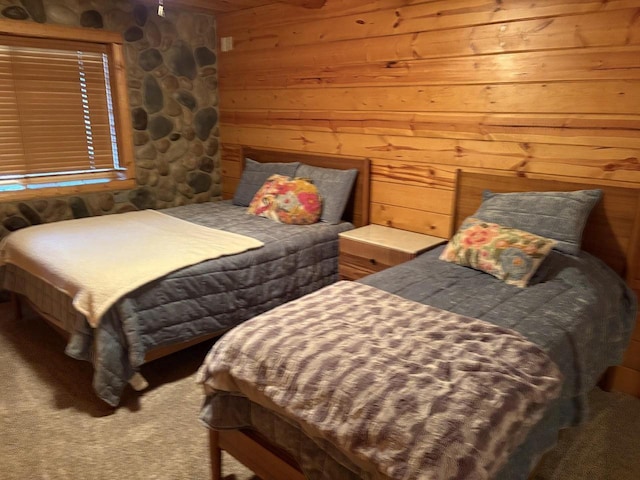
{"x":356,"y":211}
{"x":611,"y":234}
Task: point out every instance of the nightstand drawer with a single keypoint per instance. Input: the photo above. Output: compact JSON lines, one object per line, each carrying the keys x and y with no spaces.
{"x":373,"y":248}
{"x":353,"y":272}
{"x":370,"y":258}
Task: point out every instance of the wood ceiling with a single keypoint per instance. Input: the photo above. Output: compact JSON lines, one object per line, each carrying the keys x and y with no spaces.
{"x":227,"y":6}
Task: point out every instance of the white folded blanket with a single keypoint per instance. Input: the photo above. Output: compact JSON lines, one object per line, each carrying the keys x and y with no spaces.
{"x":97,"y":260}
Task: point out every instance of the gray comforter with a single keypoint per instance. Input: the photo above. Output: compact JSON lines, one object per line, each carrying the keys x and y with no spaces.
{"x":206,"y":298}
{"x":576,"y":309}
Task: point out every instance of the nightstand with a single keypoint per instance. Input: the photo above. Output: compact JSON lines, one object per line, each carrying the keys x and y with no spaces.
{"x":373,"y":248}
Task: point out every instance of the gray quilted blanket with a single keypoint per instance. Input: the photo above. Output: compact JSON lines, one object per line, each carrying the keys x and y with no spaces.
{"x":209,"y":297}
{"x":405,"y":390}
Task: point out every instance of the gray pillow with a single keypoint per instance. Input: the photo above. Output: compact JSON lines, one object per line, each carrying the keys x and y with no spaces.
{"x":560,"y":216}
{"x":334,"y":186}
{"x":255,"y":174}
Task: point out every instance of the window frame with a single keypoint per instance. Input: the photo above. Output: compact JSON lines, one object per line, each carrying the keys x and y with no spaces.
{"x":114,"y":180}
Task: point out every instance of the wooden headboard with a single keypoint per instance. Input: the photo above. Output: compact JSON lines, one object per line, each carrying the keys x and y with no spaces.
{"x":357,"y":209}
{"x":612,"y":229}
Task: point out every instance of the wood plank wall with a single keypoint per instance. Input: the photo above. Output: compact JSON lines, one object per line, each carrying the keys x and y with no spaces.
{"x":425,"y":87}
{"x":549,"y":88}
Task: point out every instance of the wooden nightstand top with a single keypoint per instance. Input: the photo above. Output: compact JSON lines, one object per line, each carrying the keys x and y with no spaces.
{"x":401,"y":240}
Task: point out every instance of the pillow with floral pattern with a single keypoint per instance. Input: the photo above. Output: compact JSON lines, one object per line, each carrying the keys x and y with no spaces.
{"x":287,"y":200}
{"x":507,"y":253}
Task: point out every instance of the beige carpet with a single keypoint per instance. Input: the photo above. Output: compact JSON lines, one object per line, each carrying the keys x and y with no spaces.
{"x":53,"y":427}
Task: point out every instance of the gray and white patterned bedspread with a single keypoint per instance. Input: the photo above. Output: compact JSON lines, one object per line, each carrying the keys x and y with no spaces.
{"x":406,"y":389}
{"x":576,"y":309}
{"x":209,"y":297}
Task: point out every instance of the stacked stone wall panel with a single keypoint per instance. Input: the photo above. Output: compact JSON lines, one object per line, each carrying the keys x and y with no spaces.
{"x":172,"y":82}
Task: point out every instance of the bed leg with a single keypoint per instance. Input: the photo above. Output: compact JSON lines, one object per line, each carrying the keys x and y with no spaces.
{"x":215,"y":455}
{"x":138,"y":382}
{"x":15,"y":306}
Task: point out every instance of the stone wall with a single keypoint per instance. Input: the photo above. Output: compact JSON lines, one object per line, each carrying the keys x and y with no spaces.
{"x":172,"y":79}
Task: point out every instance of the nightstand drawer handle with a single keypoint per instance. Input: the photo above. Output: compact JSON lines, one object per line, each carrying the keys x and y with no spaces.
{"x":372,"y":261}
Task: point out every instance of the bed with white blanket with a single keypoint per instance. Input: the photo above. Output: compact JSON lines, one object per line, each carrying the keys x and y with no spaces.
{"x":131,"y":287}
{"x":431,"y":369}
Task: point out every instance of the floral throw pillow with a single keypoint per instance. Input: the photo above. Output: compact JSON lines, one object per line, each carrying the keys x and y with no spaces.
{"x":507,"y":253}
{"x":287,"y":200}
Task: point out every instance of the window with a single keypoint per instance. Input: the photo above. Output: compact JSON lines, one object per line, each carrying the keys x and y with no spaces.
{"x":65,"y":123}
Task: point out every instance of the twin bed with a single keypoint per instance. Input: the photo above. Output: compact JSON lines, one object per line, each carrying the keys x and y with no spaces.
{"x":432,"y":369}
{"x":186,"y":305}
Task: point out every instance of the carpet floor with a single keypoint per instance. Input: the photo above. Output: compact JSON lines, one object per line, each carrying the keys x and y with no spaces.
{"x":53,"y":427}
